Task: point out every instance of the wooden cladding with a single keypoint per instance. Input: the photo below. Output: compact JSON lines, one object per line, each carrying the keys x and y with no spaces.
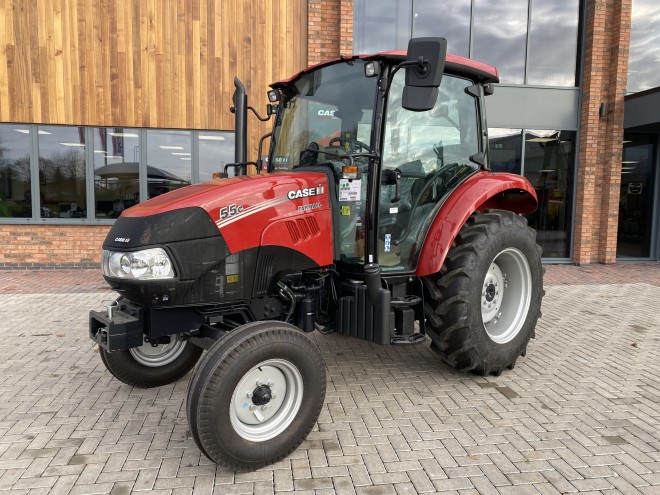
{"x":144,"y":63}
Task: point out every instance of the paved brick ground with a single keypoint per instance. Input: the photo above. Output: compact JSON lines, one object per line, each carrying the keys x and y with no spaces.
{"x":580,"y":413}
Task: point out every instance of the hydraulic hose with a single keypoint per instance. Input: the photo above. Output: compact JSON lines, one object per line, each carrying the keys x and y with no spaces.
{"x":287,"y":293}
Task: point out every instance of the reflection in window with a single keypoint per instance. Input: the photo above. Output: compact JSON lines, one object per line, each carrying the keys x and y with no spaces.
{"x":168,"y":161}
{"x":381,"y":26}
{"x":497,"y":33}
{"x":553,"y":43}
{"x":116,"y":170}
{"x":500,"y":36}
{"x":15,"y":193}
{"x":644,"y":59}
{"x":451,"y":21}
{"x":505,"y":150}
{"x":549,"y":166}
{"x":215,"y":150}
{"x":62,"y":192}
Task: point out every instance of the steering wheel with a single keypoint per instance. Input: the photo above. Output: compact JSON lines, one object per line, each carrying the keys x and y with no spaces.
{"x":354,"y":144}
{"x":443,"y":178}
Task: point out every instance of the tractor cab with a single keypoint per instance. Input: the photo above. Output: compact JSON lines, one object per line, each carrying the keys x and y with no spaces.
{"x":392,"y":163}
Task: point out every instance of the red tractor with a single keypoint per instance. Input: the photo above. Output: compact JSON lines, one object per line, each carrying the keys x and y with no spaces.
{"x":375,"y":216}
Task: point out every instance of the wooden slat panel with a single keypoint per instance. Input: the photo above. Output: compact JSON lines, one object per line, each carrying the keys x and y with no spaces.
{"x":145,"y":63}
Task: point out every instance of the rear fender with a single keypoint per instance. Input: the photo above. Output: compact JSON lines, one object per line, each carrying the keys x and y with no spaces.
{"x":480,"y":192}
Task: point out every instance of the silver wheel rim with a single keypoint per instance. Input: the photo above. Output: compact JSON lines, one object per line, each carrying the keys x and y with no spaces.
{"x":258,"y":423}
{"x":506,"y":295}
{"x":159,"y":355}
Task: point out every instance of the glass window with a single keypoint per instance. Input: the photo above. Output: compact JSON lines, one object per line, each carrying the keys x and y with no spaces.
{"x":168,"y":161}
{"x":215,"y":150}
{"x":644,"y":60}
{"x":381,"y":26}
{"x":431,"y":152}
{"x":15,"y":192}
{"x":62,"y":190}
{"x":549,"y":166}
{"x":451,"y":20}
{"x":116,"y":170}
{"x":505,"y":150}
{"x":324,"y":115}
{"x":500,"y":37}
{"x":553,"y":40}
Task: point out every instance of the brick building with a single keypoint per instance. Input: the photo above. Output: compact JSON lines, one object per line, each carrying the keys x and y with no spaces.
{"x":103,"y":105}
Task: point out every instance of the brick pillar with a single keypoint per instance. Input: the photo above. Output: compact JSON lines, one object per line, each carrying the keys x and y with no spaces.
{"x":329,"y":29}
{"x":346,"y":27}
{"x":607,"y":26}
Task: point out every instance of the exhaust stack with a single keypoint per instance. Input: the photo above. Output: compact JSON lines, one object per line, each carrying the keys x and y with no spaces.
{"x":240,"y":109}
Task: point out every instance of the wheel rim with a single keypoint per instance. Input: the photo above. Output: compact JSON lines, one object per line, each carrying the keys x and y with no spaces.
{"x":257,"y":421}
{"x":159,"y":355}
{"x":506,"y":295}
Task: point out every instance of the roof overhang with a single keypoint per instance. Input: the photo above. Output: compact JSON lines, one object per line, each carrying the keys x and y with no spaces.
{"x":642,"y":111}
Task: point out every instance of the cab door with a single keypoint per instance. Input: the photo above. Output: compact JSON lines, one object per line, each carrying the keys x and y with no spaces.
{"x":425,"y":155}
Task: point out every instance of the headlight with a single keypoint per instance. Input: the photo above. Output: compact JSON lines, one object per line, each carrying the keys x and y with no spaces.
{"x":148,"y":264}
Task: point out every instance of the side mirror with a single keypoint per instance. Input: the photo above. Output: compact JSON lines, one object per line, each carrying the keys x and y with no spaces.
{"x":424,"y":65}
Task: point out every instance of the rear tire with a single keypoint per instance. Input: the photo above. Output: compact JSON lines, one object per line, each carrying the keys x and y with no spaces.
{"x":148,"y":366}
{"x":231,"y":420}
{"x":482,"y":307}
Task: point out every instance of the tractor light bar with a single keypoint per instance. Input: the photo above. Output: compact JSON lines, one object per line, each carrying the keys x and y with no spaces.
{"x":147,"y":264}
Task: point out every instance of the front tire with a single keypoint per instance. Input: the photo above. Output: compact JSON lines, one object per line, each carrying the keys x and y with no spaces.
{"x":482,"y":307}
{"x":150,"y":366}
{"x":256,"y":395}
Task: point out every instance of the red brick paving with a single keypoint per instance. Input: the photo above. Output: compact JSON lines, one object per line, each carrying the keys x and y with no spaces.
{"x":82,"y":280}
{"x":619,"y":273}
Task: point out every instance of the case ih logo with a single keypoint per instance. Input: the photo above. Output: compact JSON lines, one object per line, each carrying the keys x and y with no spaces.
{"x":122,"y":239}
{"x":305,"y":193}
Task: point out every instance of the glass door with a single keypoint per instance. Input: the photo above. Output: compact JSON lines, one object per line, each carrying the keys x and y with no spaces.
{"x":636,"y":213}
{"x":425,"y":155}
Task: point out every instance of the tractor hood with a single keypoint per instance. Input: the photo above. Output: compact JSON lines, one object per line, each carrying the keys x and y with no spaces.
{"x":248,"y":211}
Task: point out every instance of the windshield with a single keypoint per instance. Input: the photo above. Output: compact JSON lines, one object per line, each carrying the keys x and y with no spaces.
{"x":331,"y":111}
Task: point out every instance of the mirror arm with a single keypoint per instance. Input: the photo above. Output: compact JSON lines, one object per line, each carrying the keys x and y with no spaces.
{"x":420,"y":62}
{"x":263,"y":119}
{"x":261,"y":142}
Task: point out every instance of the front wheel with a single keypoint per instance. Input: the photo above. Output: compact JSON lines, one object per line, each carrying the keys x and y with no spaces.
{"x":482,"y":307}
{"x":150,"y":365}
{"x":256,"y":395}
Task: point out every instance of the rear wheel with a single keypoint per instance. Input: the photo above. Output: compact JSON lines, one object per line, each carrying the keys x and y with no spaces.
{"x":256,"y":395}
{"x":152,"y":365}
{"x":483,"y":306}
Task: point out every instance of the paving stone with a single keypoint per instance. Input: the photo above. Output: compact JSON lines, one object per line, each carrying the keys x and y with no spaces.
{"x":579,"y":412}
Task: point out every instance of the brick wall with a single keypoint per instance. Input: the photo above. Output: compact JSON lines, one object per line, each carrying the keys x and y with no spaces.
{"x":51,"y":246}
{"x":329,"y":29}
{"x":607,"y":27}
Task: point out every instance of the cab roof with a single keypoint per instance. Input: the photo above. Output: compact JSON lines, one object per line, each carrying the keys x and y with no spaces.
{"x":454,"y":64}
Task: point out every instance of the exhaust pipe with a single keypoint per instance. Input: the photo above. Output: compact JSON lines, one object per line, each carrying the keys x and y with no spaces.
{"x":240,"y":111}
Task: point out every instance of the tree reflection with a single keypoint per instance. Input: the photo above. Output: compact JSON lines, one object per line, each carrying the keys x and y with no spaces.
{"x":62,"y":184}
{"x":14,"y":182}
